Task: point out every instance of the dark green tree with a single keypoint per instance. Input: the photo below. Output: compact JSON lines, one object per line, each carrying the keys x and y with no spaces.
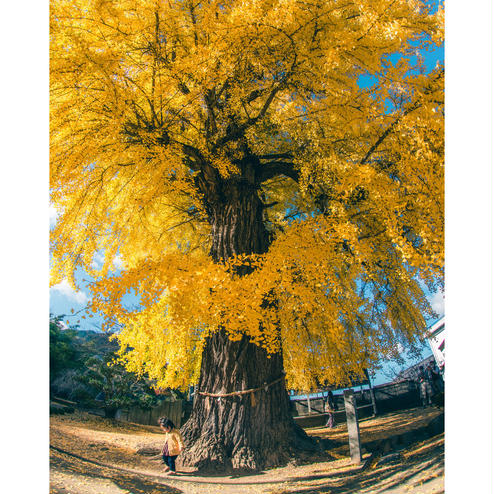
{"x":62,"y":350}
{"x":115,"y":386}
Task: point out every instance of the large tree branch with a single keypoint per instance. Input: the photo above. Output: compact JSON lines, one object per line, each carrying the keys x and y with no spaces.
{"x":274,"y":168}
{"x":237,"y":131}
{"x":387,"y":132}
{"x":276,"y":156}
{"x":192,"y":152}
{"x":211,"y":127}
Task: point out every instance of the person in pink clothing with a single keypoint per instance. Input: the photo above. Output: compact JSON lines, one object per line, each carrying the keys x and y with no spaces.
{"x":173,"y":444}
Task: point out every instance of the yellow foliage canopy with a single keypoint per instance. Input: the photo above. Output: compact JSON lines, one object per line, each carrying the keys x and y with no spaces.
{"x":153,"y":101}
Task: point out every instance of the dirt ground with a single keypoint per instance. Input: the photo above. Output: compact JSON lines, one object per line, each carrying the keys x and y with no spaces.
{"x":91,"y":455}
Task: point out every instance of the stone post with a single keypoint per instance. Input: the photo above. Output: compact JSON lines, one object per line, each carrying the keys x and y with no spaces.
{"x":352,"y":425}
{"x":373,"y":400}
{"x":372,"y":395}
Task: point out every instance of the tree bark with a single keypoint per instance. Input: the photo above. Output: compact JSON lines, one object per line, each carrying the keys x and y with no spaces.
{"x":245,"y":431}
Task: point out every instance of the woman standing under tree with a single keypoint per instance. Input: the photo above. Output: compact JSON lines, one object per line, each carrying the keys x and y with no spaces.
{"x":329,"y":408}
{"x":173,"y":444}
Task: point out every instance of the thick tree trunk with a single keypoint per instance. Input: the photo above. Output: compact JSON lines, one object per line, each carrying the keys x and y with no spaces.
{"x":244,"y":431}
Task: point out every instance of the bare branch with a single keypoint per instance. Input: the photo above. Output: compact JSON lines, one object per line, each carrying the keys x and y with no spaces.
{"x":411,"y":108}
{"x":387,"y":132}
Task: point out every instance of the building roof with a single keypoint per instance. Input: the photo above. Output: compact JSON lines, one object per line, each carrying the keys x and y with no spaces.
{"x":412,"y":372}
{"x":437,"y":327}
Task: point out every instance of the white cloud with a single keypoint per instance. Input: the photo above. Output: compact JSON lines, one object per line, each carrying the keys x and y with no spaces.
{"x":64,"y":289}
{"x":99,"y":258}
{"x":54,"y":214}
{"x":118,"y":262}
{"x":437,"y":302}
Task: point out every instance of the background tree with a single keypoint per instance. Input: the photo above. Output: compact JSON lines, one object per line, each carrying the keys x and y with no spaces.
{"x":82,"y":366}
{"x":62,"y":351}
{"x":114,"y":386}
{"x":273,"y":214}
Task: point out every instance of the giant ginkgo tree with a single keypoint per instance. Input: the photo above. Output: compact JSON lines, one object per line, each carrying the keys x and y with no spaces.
{"x":270,"y":172}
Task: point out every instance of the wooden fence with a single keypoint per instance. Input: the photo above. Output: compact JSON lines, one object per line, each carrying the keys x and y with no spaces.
{"x":174,"y":410}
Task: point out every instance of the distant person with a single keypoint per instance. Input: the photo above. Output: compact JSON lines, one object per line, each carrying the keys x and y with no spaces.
{"x":434,"y":378}
{"x":425,"y":388}
{"x":329,"y":408}
{"x":173,"y":444}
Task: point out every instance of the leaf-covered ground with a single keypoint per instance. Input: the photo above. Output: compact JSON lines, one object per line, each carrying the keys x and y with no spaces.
{"x":91,"y":455}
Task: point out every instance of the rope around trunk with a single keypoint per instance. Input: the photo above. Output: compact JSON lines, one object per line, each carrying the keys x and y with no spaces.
{"x":241,"y":392}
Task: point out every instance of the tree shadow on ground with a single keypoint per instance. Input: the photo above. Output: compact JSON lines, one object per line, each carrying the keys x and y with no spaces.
{"x":143,"y":486}
{"x":131,"y":482}
{"x":389,"y":424}
{"x":233,"y":474}
{"x":381,"y":479}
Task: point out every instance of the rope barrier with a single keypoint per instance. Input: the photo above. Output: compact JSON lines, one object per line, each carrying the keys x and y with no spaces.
{"x":241,"y":392}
